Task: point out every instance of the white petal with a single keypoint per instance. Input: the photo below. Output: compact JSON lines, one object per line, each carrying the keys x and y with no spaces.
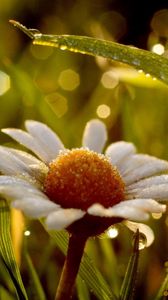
{"x":29,"y":142}
{"x":35,"y":207}
{"x":159,"y":192}
{"x":34,"y":166}
{"x":48,"y":140}
{"x":15,"y":188}
{"x":148,"y":205}
{"x":11,"y":165}
{"x":147,"y":182}
{"x":95,"y":135}
{"x":15,"y":181}
{"x":143,"y":166}
{"x":24,"y":156}
{"x":144,"y":229}
{"x":125,"y":212}
{"x":63,"y":218}
{"x":120,"y":151}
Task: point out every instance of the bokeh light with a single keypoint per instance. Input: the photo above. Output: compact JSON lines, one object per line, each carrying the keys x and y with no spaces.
{"x":58,"y":103}
{"x":158,"y":49}
{"x":103,"y":111}
{"x":69,"y":80}
{"x":110,"y":79}
{"x":27,"y":233}
{"x":159,"y":23}
{"x":112,"y":232}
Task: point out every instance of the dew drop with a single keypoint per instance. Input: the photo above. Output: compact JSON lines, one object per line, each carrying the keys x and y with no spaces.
{"x":142,"y":241}
{"x":63,"y":47}
{"x":27,"y":233}
{"x":35,"y":31}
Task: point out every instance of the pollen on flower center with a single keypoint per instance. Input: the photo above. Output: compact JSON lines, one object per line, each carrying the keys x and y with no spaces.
{"x":79,"y":178}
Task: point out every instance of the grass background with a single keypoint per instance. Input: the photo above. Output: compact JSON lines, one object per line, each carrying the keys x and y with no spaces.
{"x":65,"y":90}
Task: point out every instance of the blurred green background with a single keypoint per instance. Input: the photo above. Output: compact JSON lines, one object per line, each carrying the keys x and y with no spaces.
{"x":65,"y":90}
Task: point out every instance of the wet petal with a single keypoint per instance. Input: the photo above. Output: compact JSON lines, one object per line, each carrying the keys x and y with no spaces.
{"x":142,"y":166}
{"x":63,"y":218}
{"x":22,"y":155}
{"x":35,"y":207}
{"x":34,"y":166}
{"x":19,"y":191}
{"x":45,"y":137}
{"x":95,"y":135}
{"x":14,"y":188}
{"x":147,"y":182}
{"x":120,"y":151}
{"x":29,"y":142}
{"x":14,"y":181}
{"x":148,"y":205}
{"x":159,"y":192}
{"x":125,"y":212}
{"x":144,"y":229}
{"x":11,"y":165}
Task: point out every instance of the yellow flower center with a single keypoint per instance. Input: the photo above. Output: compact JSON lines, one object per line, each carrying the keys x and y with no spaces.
{"x":79,"y":178}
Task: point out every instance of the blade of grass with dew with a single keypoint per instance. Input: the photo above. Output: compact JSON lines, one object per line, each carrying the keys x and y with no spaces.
{"x":151,"y":63}
{"x":7,"y":253}
{"x":88,"y":271}
{"x":36,"y":284}
{"x":82,"y":290}
{"x":163,"y":291}
{"x":128,"y":287}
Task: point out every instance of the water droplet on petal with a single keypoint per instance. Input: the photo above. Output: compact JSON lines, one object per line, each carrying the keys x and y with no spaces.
{"x":142,"y":241}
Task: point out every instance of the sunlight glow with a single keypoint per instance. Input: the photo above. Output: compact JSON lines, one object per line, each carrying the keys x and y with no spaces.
{"x":4,"y":83}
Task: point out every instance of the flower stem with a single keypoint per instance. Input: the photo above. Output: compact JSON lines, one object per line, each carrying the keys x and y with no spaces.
{"x":71,"y":267}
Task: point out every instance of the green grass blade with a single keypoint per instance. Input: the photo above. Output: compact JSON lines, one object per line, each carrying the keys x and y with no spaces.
{"x":4,"y":294}
{"x":82,"y":290}
{"x":88,"y":272}
{"x":6,"y":283}
{"x":163,"y":291}
{"x":6,"y":251}
{"x":36,"y":284}
{"x":154,"y":64}
{"x":129,"y":282}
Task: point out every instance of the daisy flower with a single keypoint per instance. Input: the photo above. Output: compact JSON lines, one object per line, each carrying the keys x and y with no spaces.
{"x":80,"y":190}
